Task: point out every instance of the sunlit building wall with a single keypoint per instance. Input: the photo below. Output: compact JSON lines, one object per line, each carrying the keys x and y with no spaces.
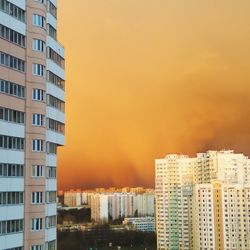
{"x":173,"y":191}
{"x":221,"y":216}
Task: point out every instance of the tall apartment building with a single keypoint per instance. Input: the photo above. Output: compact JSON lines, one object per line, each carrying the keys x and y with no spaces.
{"x":99,"y":207}
{"x":222,"y":215}
{"x":173,"y":191}
{"x":202,"y":202}
{"x":31,"y":123}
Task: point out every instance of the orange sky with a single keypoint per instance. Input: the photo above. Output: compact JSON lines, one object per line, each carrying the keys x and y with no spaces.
{"x":150,"y":77}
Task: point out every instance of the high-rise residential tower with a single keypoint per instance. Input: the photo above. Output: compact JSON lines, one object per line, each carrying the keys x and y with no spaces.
{"x":31,"y":123}
{"x":173,"y":192}
{"x":203,"y":202}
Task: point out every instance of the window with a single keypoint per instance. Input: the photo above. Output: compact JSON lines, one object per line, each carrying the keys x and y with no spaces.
{"x":50,"y":221}
{"x":12,"y":62}
{"x":11,"y":198}
{"x":51,"y":245}
{"x":36,"y":224}
{"x":51,"y":31}
{"x":37,"y":198}
{"x":40,"y":1}
{"x":56,"y":80}
{"x":12,"y":36}
{"x":11,"y":115}
{"x":50,"y":196}
{"x":11,"y":170}
{"x":11,"y":226}
{"x":51,"y":172}
{"x":52,"y":9}
{"x":51,"y":148}
{"x":55,"y":57}
{"x":15,"y":248}
{"x":38,"y":120}
{"x":12,"y":89}
{"x":37,"y":247}
{"x":55,"y":126}
{"x":38,"y":69}
{"x":37,"y":171}
{"x":38,"y":45}
{"x":38,"y":20}
{"x":55,"y":103}
{"x":12,"y":10}
{"x":38,"y":95}
{"x":9,"y":142}
{"x":38,"y":145}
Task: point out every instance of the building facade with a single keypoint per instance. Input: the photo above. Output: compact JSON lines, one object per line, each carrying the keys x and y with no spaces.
{"x":121,"y":205}
{"x":144,"y":224}
{"x":173,"y":191}
{"x":72,"y":198}
{"x":222,"y":216}
{"x":99,"y":208}
{"x":144,"y":204}
{"x":202,"y":202}
{"x":32,"y":119}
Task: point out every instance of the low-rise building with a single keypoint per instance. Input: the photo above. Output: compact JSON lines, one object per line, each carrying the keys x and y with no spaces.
{"x":145,"y":224}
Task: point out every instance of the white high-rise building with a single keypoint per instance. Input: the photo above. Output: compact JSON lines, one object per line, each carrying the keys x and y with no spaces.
{"x":201,"y":202}
{"x":32,"y":118}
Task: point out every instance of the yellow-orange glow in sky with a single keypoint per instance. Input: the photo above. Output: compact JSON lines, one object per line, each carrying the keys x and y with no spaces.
{"x":151,"y":77}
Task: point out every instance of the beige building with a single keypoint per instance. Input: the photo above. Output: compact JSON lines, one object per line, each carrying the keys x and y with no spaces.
{"x":222,"y":216}
{"x":99,"y":207}
{"x":202,"y":202}
{"x":31,"y":123}
{"x":72,"y":198}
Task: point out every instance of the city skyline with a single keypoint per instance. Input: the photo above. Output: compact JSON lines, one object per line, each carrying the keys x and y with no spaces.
{"x":136,"y":137}
{"x":149,"y":78}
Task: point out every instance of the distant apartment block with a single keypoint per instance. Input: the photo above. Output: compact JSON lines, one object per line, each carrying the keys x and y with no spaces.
{"x":112,"y":206}
{"x":32,"y":84}
{"x":203,"y":202}
{"x":99,"y":208}
{"x":72,"y":198}
{"x":121,"y":204}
